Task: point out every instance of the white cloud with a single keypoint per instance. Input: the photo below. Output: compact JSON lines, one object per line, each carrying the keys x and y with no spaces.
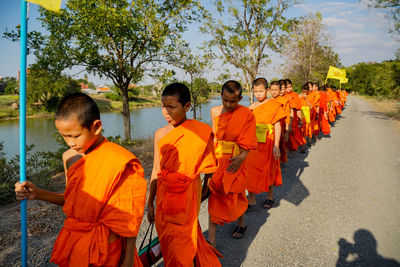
{"x":340,"y":22}
{"x":358,"y":33}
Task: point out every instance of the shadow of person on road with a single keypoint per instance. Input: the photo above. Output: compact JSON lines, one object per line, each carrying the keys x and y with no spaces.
{"x":237,"y":248}
{"x":362,"y":253}
{"x":293,"y":189}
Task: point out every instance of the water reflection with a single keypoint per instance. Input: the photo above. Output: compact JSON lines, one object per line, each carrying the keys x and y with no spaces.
{"x":144,"y":121}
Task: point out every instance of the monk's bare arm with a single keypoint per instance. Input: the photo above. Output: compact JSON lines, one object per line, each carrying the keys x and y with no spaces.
{"x":130,"y":246}
{"x":278,"y":130}
{"x":299,"y":117}
{"x":153,"y":179}
{"x":28,"y":190}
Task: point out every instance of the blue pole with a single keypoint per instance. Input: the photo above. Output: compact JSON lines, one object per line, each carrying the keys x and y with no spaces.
{"x":22,"y":130}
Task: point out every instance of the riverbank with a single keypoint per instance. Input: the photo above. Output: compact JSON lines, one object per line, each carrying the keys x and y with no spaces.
{"x":390,"y":107}
{"x":9,"y":106}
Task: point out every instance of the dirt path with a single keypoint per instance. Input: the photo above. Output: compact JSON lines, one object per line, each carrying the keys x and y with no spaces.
{"x":339,"y":203}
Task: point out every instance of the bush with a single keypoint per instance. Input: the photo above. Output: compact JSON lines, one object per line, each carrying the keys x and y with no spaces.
{"x":40,"y":167}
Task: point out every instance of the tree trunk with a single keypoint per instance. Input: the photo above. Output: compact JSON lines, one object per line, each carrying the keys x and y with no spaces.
{"x":125,"y":113}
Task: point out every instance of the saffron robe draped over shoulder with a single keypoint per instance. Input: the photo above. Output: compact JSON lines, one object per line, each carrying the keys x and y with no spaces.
{"x":263,"y":169}
{"x":295,"y":137}
{"x":323,"y":107}
{"x":315,"y":123}
{"x":306,"y":111}
{"x":228,"y":200}
{"x":105,"y":193}
{"x":185,"y":152}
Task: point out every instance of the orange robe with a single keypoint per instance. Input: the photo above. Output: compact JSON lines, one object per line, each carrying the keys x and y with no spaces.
{"x":330,"y":99}
{"x":323,"y":107}
{"x":228,"y":200}
{"x":315,"y":125}
{"x":185,"y":153}
{"x":295,"y":137}
{"x":286,"y":121}
{"x":263,"y":169}
{"x":306,"y":127}
{"x":105,"y":193}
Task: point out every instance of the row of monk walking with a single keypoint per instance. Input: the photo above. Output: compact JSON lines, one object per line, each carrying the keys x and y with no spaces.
{"x":105,"y":195}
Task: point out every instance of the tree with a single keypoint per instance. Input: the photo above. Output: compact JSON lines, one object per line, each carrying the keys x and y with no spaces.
{"x":256,"y":25}
{"x":11,"y":85}
{"x":118,"y":39}
{"x":195,"y":66}
{"x":306,"y":50}
{"x":47,"y":88}
{"x":393,"y":8}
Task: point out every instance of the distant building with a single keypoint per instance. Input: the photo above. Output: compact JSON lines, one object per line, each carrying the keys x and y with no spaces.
{"x":84,"y":86}
{"x":103,"y":89}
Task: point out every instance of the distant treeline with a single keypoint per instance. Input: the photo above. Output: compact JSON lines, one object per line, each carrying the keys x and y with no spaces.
{"x":375,"y":79}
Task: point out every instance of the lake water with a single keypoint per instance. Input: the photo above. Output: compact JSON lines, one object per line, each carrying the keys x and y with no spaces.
{"x":145,"y":122}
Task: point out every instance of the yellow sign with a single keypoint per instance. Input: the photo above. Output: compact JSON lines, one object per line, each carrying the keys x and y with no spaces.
{"x":53,"y":5}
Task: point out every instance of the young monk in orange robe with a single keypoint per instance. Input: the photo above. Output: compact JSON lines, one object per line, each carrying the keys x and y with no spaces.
{"x":183,"y":150}
{"x":285,"y":123}
{"x":315,"y":112}
{"x":295,"y":137}
{"x":331,"y":100}
{"x":264,"y":166}
{"x":105,"y":194}
{"x":235,"y":132}
{"x":323,"y":104}
{"x":306,"y":108}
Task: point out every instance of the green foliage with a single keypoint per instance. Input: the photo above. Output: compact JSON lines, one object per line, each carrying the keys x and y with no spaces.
{"x":195,"y":66}
{"x":381,"y":80}
{"x":249,"y":28}
{"x":307,"y":51}
{"x":40,"y":167}
{"x":11,"y":85}
{"x":118,"y":39}
{"x":45,"y":88}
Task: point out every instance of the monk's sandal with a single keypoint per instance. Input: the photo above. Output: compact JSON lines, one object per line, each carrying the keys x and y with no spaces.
{"x":269,"y":203}
{"x":239,"y":230}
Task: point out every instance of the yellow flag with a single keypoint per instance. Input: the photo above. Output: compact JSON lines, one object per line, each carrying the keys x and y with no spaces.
{"x":335,"y":73}
{"x":53,"y":5}
{"x":344,"y":80}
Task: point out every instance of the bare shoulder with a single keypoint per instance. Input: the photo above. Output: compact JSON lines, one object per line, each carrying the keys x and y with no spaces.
{"x":216,"y":111}
{"x":161,"y":132}
{"x":70,"y":153}
{"x":69,"y":157}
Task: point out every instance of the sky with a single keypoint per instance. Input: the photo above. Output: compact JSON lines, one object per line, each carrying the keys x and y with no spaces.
{"x":357,"y":34}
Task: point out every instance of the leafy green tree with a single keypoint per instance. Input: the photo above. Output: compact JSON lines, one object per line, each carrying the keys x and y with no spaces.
{"x":195,"y":66}
{"x":307,"y":51}
{"x":244,"y":32}
{"x":375,"y":79}
{"x":117,"y":39}
{"x":11,"y":85}
{"x":45,"y":88}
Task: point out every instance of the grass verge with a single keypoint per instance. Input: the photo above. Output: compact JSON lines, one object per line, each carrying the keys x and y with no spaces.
{"x":390,"y":107}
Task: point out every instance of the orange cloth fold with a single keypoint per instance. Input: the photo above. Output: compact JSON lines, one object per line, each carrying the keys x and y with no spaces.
{"x":105,"y":193}
{"x":228,"y":199}
{"x":282,"y":144}
{"x":185,"y":152}
{"x":295,"y":137}
{"x":263,"y":169}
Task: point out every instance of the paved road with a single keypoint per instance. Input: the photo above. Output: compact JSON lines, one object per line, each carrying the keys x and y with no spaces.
{"x":339,"y":202}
